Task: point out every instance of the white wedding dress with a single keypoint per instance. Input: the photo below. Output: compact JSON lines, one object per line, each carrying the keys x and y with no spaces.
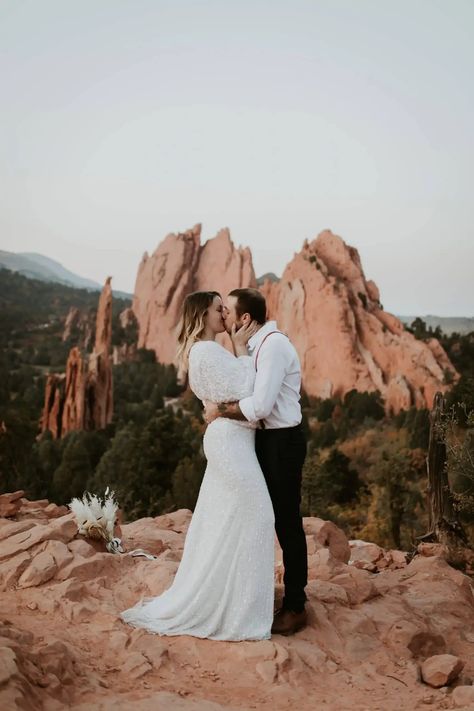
{"x":224,"y":586}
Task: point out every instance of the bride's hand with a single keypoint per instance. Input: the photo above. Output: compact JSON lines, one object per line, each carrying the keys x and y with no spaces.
{"x":241,"y":337}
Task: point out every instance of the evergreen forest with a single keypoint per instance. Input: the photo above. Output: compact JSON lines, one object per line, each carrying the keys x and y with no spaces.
{"x":364,"y":470}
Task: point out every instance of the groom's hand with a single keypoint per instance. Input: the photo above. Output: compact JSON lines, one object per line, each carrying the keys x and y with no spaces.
{"x":211,"y":411}
{"x":230,"y":410}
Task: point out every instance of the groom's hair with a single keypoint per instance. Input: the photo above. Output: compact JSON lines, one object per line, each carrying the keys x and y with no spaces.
{"x":250,"y":301}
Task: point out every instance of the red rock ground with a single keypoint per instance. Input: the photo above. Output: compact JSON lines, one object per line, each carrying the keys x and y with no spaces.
{"x":62,"y":644}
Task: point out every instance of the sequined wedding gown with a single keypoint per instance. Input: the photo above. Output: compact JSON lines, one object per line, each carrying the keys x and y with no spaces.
{"x":224,"y":585}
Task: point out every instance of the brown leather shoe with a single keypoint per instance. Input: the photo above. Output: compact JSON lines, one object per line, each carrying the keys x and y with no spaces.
{"x":288,"y":622}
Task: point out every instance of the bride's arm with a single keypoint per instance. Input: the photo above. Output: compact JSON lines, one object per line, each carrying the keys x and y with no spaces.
{"x":217,"y":376}
{"x":268,"y":382}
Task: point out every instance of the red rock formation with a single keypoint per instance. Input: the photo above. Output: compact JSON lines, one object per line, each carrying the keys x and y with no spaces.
{"x":344,"y":338}
{"x":79,"y":326}
{"x":71,"y":322}
{"x":99,"y":387}
{"x":127,"y":319}
{"x":178,"y":266}
{"x":103,"y":325}
{"x":74,"y":393}
{"x":126,"y":351}
{"x":330,"y":311}
{"x":82,"y":398}
{"x":51,"y":418}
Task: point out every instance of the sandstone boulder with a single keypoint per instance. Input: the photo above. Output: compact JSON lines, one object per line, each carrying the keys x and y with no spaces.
{"x":10,"y":503}
{"x":463,"y":696}
{"x":441,"y":669}
{"x":42,"y":568}
{"x":327,"y":535}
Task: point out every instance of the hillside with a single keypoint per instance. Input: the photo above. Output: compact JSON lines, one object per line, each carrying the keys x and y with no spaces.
{"x":33,"y":312}
{"x":447,"y":324}
{"x":38,"y":266}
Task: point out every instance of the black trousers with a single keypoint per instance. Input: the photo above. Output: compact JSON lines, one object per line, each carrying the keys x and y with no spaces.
{"x":281,"y":454}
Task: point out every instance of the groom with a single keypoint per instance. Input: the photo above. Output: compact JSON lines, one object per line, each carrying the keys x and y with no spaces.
{"x":280,"y":442}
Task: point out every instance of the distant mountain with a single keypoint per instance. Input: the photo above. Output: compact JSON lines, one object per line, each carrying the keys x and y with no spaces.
{"x":37,"y":266}
{"x":270,"y":276}
{"x":448,"y":324}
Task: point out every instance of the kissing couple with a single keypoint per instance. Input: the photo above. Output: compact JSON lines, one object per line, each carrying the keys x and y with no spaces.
{"x":255,"y":449}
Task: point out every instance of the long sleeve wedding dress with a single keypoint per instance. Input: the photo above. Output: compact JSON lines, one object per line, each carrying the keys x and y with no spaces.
{"x":224,"y":586}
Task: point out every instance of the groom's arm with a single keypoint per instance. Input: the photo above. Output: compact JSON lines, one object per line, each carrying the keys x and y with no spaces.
{"x":268,"y":381}
{"x":231,"y":410}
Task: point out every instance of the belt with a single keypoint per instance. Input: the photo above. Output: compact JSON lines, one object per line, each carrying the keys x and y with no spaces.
{"x":280,"y":429}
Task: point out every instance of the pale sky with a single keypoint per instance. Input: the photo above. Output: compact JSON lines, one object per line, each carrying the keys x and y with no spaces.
{"x":124,"y":120}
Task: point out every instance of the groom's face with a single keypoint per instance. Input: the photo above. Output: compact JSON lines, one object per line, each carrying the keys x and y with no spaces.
{"x":230,"y":314}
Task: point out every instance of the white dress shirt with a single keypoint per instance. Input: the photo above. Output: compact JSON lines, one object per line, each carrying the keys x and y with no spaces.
{"x":276,"y":395}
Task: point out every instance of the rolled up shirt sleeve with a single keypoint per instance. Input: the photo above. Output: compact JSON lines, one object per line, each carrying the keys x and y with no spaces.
{"x":272,"y":365}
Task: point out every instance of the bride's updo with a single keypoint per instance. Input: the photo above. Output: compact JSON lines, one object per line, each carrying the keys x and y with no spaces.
{"x":192,"y":324}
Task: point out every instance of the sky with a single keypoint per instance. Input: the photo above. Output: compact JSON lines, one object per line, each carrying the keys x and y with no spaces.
{"x":125,"y":120}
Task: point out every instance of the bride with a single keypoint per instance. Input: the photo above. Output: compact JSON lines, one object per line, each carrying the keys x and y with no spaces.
{"x":224,"y":586}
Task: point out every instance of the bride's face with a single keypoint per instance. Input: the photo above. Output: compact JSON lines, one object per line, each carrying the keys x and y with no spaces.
{"x":214,"y":317}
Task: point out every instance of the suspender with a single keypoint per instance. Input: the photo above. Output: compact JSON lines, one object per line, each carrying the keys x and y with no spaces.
{"x":268,"y":334}
{"x":262,"y":424}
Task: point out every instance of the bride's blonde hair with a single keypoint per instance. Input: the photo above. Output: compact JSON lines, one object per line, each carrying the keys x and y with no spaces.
{"x":192,"y":324}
